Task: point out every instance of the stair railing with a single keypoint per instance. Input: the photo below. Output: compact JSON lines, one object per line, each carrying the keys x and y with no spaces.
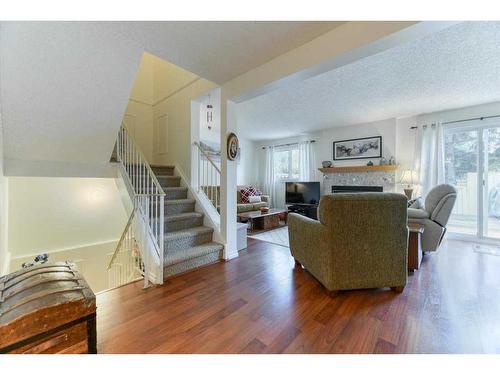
{"x":146,"y":226}
{"x":208,"y":176}
{"x":125,"y":264}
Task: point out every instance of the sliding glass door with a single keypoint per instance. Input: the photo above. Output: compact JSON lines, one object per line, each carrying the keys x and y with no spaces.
{"x":472,"y":164}
{"x":461,"y":170}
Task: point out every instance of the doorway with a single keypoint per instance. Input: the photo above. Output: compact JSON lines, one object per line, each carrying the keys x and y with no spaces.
{"x":472,"y":165}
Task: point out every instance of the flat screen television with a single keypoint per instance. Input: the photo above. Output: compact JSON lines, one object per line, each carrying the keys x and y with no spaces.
{"x":302,"y":193}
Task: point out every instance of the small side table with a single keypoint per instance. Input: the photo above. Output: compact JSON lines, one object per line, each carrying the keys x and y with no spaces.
{"x":415,"y":246}
{"x":241,"y":236}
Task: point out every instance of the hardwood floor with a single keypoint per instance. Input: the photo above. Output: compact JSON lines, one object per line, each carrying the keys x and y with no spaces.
{"x":260,"y":303}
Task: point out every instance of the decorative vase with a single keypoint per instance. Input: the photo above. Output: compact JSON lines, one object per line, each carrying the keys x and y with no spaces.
{"x":326,"y":164}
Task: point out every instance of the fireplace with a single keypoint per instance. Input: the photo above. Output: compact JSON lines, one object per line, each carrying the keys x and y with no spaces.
{"x":356,"y":189}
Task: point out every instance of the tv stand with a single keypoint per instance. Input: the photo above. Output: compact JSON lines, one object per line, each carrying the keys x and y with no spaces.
{"x":308,"y":210}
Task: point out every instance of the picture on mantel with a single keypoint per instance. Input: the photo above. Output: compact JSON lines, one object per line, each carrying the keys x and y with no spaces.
{"x":359,"y":148}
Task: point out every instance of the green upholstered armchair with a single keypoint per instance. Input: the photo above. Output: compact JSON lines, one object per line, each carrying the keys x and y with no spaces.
{"x":360,"y":241}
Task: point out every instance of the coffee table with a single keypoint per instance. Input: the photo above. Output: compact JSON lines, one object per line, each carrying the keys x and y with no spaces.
{"x":262,"y":221}
{"x":414,"y":246}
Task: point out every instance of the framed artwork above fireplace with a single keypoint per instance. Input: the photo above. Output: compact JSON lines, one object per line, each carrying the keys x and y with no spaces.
{"x":359,"y":148}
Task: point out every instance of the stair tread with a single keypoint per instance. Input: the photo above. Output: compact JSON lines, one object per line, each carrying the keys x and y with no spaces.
{"x":168,"y":177}
{"x":185,"y":215}
{"x":192,"y":252}
{"x":179,"y":201}
{"x":162,"y":166}
{"x":189,"y":232}
{"x":174,"y":188}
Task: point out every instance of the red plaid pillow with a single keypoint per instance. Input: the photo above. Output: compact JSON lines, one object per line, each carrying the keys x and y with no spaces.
{"x":248,"y":191}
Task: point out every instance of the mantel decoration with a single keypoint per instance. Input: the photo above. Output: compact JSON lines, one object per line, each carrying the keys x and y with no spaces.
{"x":359,"y":148}
{"x":233,"y":146}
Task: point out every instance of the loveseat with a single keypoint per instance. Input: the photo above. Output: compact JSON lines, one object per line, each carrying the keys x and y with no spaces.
{"x":241,"y":207}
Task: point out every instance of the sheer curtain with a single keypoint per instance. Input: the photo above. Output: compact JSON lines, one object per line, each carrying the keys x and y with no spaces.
{"x":269,"y":182}
{"x":307,"y":163}
{"x":429,"y":161}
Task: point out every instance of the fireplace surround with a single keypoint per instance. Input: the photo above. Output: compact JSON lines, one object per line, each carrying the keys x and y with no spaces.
{"x":356,"y":189}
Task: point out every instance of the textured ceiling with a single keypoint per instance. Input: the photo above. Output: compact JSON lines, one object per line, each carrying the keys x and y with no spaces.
{"x":453,"y":68}
{"x":220,"y":51}
{"x":65,"y":85}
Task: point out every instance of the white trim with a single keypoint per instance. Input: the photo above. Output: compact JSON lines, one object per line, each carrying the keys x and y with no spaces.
{"x":6,"y":265}
{"x":47,"y":168}
{"x":211,"y":216}
{"x":176,"y":91}
{"x":140,"y":102}
{"x":472,"y":238}
{"x":71,"y":248}
{"x":478,"y":126}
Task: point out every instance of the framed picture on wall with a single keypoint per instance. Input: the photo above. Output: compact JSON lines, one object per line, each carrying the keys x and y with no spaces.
{"x":359,"y":148}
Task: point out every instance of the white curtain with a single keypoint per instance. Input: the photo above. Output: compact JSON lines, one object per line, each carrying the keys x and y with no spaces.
{"x":269,"y":183}
{"x":307,"y":169}
{"x":429,"y":160}
{"x":273,"y":187}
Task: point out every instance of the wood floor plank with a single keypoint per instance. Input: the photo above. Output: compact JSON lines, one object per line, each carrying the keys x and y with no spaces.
{"x":260,"y":303}
{"x":254,"y":347}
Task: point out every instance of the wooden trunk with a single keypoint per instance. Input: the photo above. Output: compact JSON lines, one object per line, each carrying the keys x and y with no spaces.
{"x":48,"y":308}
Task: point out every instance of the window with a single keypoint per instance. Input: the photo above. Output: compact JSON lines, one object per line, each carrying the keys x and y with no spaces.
{"x":472,"y":165}
{"x":286,"y":164}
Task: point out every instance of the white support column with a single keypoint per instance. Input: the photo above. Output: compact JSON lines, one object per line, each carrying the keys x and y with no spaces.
{"x":228,"y":180}
{"x":195,"y":137}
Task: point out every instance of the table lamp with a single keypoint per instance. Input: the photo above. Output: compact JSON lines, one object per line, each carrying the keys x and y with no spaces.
{"x":408,"y":178}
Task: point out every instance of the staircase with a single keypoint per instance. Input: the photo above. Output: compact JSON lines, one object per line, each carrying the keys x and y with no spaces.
{"x":164,"y":235}
{"x":188,"y":243}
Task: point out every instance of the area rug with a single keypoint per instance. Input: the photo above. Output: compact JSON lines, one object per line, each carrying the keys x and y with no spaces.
{"x":278,"y":236}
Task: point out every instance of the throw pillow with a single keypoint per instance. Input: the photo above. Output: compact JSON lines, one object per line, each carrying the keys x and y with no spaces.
{"x":254,"y":199}
{"x":416,"y":203}
{"x":248,"y":191}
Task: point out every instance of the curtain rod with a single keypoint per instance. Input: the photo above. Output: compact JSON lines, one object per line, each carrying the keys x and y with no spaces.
{"x":468,"y":119}
{"x":288,"y":144}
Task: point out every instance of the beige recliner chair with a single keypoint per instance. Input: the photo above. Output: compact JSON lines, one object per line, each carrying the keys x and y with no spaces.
{"x":434,"y":215}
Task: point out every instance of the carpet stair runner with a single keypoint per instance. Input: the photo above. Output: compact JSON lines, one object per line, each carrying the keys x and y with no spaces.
{"x":188,"y":244}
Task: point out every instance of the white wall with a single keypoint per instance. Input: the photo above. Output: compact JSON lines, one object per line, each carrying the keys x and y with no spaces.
{"x":397,"y":138}
{"x":248,"y":163}
{"x":323,"y":147}
{"x":210,"y":136}
{"x":92,"y":261}
{"x":177,"y":109}
{"x":50,"y":214}
{"x":139,"y":112}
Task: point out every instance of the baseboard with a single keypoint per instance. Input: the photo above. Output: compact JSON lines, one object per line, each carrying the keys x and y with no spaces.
{"x":6,"y":264}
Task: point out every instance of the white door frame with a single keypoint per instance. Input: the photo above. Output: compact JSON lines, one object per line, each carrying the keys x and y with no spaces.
{"x":482,"y":182}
